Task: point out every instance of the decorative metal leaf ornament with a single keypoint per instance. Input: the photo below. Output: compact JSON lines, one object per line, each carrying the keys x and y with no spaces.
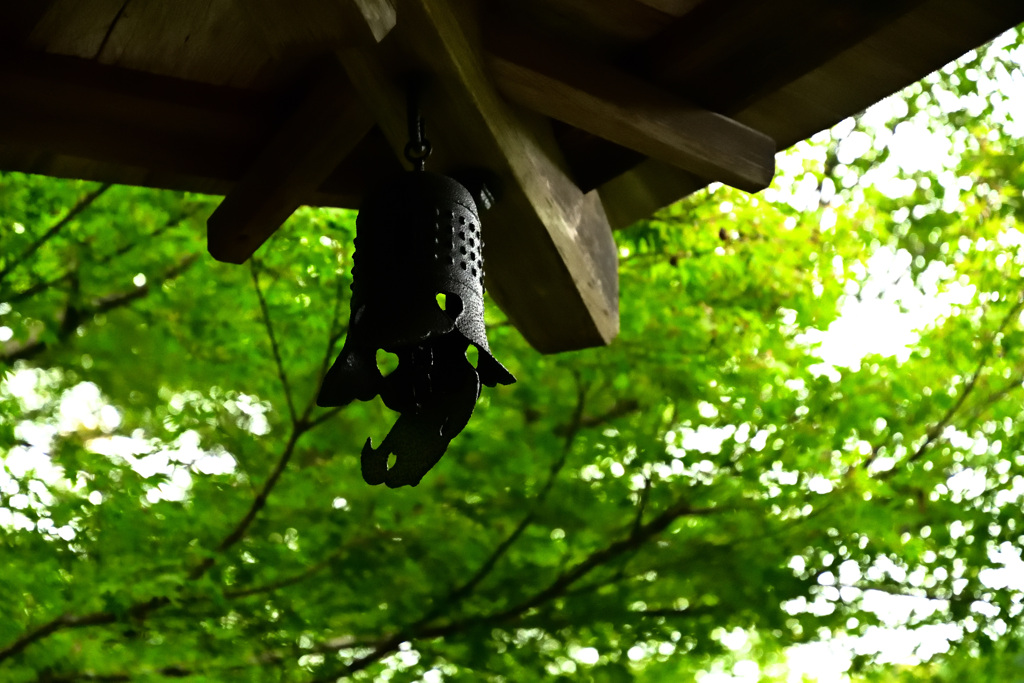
{"x":416,"y":238}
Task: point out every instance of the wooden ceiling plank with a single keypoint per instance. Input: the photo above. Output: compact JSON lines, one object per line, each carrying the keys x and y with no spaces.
{"x":550,"y":257}
{"x":614,"y":105}
{"x":75,"y":28}
{"x":310,"y":145}
{"x":198,"y":40}
{"x":830,"y":30}
{"x":303,"y":27}
{"x":692,"y":46}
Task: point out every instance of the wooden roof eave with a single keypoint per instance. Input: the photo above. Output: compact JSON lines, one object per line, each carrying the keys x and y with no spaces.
{"x":815,"y":96}
{"x":493,"y":101}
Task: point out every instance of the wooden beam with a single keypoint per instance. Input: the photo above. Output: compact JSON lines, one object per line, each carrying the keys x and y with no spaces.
{"x":893,"y":56}
{"x":728,"y":54}
{"x":314,"y":141}
{"x":675,"y":8}
{"x":593,"y":161}
{"x":550,"y":257}
{"x":317,"y":137}
{"x":75,"y":118}
{"x":71,"y":106}
{"x":615,"y":106}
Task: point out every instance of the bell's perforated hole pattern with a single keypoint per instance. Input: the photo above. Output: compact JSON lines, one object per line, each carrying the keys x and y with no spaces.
{"x":458,"y":240}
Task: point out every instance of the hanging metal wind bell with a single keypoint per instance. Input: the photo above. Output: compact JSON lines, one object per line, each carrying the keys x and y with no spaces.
{"x":416,"y":238}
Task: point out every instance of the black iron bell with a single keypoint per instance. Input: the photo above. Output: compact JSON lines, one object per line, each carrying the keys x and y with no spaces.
{"x":416,"y":238}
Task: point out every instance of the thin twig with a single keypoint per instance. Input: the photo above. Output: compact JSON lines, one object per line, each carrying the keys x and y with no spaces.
{"x":282,"y":375}
{"x":636,"y":539}
{"x":325,"y":416}
{"x":298,"y":578}
{"x":261,"y":499}
{"x":937,"y":428}
{"x":41,"y":286}
{"x":641,"y":505}
{"x":460,"y":593}
{"x":621,"y":408}
{"x":337,"y":331}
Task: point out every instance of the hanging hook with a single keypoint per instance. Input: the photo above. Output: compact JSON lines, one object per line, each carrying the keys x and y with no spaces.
{"x":418,"y":148}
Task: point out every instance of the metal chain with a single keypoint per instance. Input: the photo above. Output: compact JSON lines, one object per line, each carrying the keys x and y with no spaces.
{"x":418,"y":148}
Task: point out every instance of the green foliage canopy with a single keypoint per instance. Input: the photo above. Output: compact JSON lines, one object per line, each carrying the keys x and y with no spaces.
{"x":173,"y":504}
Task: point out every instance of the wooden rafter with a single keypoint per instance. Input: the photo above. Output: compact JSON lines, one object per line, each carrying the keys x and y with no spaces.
{"x":316,"y":138}
{"x":67,"y":106}
{"x":105,"y":123}
{"x":551,"y":260}
{"x":301,"y":155}
{"x":813,"y":91}
{"x":611,"y":104}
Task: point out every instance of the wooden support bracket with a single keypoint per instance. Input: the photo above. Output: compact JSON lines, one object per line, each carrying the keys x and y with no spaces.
{"x":550,"y":257}
{"x":312,"y":143}
{"x":616,"y":106}
{"x":635,"y":195}
{"x":318,"y":136}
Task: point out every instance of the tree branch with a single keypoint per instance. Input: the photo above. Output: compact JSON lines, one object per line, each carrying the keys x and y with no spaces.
{"x":634,"y":541}
{"x":140,"y":610}
{"x":622,"y":407}
{"x":166,"y":672}
{"x":937,"y":428}
{"x":70,"y":621}
{"x":81,"y":205}
{"x":44,"y":285}
{"x":74,"y":317}
{"x":258,"y":503}
{"x":556,"y":589}
{"x":457,"y":594}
